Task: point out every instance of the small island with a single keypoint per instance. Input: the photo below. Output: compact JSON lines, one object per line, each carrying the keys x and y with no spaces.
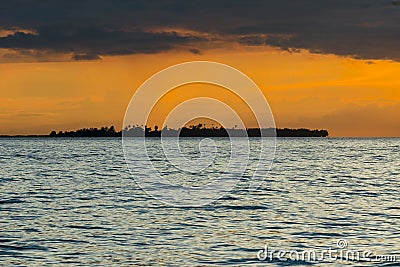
{"x":199,"y":130}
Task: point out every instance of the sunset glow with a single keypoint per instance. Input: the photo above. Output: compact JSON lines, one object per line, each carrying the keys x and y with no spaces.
{"x":347,"y":96}
{"x":333,"y":65}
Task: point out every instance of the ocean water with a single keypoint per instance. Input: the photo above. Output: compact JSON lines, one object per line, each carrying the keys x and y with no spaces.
{"x":74,"y":202}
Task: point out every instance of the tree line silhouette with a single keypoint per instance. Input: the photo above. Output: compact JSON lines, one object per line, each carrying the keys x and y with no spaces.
{"x":88,"y":132}
{"x":199,"y":130}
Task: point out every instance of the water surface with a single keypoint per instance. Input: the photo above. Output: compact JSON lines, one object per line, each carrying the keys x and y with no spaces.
{"x":73,"y":201}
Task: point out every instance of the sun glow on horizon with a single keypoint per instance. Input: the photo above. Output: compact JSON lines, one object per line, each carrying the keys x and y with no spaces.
{"x":346,"y":96}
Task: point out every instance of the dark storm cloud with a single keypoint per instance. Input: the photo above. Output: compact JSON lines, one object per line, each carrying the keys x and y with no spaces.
{"x":195,"y":51}
{"x":368,"y":29}
{"x":90,"y":42}
{"x":85,"y":57}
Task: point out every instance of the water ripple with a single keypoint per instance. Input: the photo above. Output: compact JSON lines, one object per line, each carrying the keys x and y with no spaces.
{"x":73,"y":201}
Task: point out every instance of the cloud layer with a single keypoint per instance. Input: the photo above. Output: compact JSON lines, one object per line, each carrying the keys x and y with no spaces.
{"x":88,"y":29}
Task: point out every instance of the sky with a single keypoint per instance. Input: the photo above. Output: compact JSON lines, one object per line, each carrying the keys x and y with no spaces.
{"x":320,"y":64}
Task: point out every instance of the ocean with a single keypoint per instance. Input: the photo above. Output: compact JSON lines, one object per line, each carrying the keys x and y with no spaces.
{"x":73,"y":201}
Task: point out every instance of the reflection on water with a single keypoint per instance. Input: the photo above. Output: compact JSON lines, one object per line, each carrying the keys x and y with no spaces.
{"x":74,"y":201}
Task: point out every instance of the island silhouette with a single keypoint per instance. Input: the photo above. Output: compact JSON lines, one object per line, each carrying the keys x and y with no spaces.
{"x":199,"y":130}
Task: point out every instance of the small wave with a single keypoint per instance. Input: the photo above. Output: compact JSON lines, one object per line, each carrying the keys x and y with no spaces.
{"x":87,"y":227}
{"x":11,"y":201}
{"x":245,"y":207}
{"x":23,"y":247}
{"x":316,"y":234}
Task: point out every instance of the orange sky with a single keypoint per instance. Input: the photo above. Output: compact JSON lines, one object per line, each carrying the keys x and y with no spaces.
{"x":348,"y":97}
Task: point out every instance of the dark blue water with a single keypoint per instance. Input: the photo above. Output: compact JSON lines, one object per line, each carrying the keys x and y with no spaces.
{"x":73,"y":201}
